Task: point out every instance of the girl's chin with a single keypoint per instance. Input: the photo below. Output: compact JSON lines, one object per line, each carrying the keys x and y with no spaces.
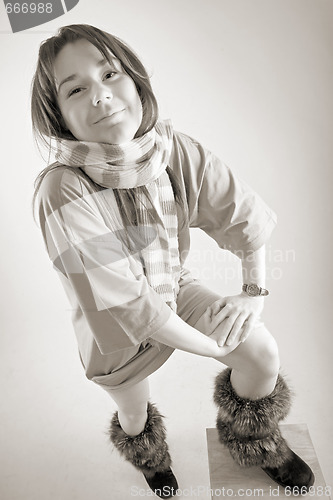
{"x":115,"y":135}
{"x":108,"y":136}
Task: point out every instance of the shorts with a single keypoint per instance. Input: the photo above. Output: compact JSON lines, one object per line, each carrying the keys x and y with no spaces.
{"x":138,"y":362}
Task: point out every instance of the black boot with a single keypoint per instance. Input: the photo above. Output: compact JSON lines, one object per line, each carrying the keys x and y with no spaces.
{"x":148,"y":452}
{"x":249,"y":428}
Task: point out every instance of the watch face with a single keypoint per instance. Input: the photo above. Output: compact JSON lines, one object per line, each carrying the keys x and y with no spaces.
{"x":253,"y":290}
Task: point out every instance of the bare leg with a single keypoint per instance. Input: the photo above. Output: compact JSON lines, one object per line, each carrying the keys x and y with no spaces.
{"x":255,"y":363}
{"x":132,"y":407}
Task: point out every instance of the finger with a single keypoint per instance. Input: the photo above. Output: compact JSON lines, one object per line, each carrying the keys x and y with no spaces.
{"x":207,"y":321}
{"x":208,"y":312}
{"x":217,"y":305}
{"x":248,"y":327}
{"x":236,"y":329}
{"x":223,"y":330}
{"x":220,"y":316}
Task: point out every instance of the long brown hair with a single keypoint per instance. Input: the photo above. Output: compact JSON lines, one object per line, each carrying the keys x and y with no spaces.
{"x":47,"y":122}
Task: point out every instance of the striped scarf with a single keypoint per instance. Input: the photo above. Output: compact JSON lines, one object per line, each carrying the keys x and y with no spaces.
{"x":140,"y":162}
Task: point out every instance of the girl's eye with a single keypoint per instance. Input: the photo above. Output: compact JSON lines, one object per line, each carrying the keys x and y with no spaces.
{"x":74,"y":91}
{"x":109,"y":74}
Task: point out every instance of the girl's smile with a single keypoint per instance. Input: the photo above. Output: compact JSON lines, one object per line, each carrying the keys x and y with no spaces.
{"x":98,"y":101}
{"x":111,"y":117}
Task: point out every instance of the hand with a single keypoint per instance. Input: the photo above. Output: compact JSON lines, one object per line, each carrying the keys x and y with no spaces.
{"x":231,"y":319}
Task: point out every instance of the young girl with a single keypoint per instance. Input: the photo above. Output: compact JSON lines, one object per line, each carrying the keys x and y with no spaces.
{"x":115,"y":211}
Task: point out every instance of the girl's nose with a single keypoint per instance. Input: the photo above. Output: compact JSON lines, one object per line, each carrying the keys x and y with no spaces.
{"x":101,"y":94}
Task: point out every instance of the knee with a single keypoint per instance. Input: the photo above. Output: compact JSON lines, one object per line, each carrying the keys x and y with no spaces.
{"x":133,"y":420}
{"x":266,"y":359}
{"x":133,"y":411}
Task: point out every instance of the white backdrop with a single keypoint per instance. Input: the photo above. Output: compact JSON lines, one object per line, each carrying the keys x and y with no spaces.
{"x":252,"y":80}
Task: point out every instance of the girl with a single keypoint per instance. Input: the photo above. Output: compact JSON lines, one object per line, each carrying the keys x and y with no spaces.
{"x":115,"y":211}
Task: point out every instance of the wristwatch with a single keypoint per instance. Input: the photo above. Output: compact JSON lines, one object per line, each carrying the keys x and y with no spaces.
{"x":254,"y":290}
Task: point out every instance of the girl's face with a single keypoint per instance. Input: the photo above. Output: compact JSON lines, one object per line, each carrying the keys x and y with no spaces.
{"x":98,"y":100}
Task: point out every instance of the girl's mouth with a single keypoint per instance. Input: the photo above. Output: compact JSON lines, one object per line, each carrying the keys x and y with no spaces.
{"x":110,"y":116}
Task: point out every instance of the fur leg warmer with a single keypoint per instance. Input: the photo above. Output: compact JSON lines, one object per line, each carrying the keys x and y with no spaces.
{"x":249,"y":428}
{"x":148,"y":452}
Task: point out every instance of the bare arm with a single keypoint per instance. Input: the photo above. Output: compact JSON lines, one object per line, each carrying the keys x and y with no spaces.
{"x":231,"y":319}
{"x":225,"y":320}
{"x":254,"y":267}
{"x":178,"y":334}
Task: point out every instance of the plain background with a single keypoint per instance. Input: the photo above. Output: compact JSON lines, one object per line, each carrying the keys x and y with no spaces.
{"x":252,"y":80}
